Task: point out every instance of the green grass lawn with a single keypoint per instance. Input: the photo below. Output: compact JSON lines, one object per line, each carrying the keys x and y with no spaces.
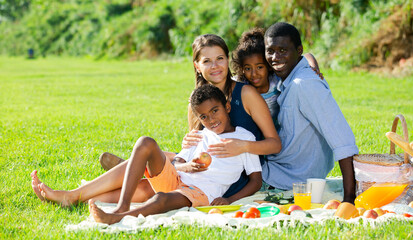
{"x":57,"y":115}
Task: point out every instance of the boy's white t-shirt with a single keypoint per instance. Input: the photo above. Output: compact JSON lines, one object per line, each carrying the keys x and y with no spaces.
{"x":222,"y":172}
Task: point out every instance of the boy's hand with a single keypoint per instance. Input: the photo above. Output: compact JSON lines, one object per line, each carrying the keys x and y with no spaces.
{"x":191,"y":139}
{"x":191,"y":167}
{"x":220,"y":201}
{"x":229,"y":147}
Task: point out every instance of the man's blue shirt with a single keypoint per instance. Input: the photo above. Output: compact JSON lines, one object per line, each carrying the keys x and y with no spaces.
{"x":314,"y":132}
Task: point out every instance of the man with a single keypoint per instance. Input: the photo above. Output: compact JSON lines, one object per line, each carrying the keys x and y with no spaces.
{"x":314,"y":132}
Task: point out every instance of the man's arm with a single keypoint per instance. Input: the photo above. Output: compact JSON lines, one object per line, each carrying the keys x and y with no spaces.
{"x":349,"y":182}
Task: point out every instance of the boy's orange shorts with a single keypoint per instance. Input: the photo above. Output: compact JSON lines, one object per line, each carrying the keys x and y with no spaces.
{"x":169,"y":181}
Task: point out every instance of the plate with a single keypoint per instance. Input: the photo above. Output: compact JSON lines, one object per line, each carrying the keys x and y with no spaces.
{"x":224,"y":208}
{"x":268,"y":211}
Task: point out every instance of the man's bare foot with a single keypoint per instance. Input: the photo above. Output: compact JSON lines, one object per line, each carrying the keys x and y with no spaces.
{"x":60,"y":197}
{"x":35,"y":185}
{"x":100,"y":216}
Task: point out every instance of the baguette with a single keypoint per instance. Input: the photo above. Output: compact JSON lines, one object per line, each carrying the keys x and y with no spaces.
{"x":399,"y":141}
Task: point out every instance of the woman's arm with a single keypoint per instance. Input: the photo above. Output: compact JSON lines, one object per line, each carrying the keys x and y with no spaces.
{"x":253,"y":185}
{"x":257,"y":108}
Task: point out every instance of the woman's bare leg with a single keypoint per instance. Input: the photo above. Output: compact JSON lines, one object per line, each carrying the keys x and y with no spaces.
{"x":107,"y":182}
{"x":142,"y":193}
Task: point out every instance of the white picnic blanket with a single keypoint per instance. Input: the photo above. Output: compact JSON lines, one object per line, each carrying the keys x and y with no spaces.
{"x":191,"y":216}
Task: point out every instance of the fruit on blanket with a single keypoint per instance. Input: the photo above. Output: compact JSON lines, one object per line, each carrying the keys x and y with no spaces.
{"x":215,"y":211}
{"x":293,"y":208}
{"x":407,"y":215}
{"x":249,"y":215}
{"x":370,"y":214}
{"x":204,"y":158}
{"x":379,"y":211}
{"x":255,"y":211}
{"x":238,"y":214}
{"x":411,"y":204}
{"x":283,"y":209}
{"x":346,"y":210}
{"x":361,"y":211}
{"x":332,"y":204}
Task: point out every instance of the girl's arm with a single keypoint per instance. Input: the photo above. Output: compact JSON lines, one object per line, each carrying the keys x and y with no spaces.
{"x":257,"y":108}
{"x":312,"y":61}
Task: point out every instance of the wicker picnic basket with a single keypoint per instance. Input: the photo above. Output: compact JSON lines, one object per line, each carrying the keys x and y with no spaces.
{"x":372,"y":168}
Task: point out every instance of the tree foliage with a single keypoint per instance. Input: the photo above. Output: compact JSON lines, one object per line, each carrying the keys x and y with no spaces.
{"x":331,"y":29}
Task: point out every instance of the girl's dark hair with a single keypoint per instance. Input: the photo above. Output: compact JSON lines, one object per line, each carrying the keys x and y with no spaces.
{"x":250,"y":43}
{"x":210,"y":40}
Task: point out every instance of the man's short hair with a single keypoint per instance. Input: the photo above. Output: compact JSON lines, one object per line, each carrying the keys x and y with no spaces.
{"x":283,"y":29}
{"x":206,"y":92}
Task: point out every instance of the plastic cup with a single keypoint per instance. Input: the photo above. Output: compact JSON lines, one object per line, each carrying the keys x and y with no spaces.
{"x":302,"y":194}
{"x":317,"y":189}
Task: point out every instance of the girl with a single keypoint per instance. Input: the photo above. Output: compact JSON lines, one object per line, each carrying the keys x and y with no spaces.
{"x":250,"y":65}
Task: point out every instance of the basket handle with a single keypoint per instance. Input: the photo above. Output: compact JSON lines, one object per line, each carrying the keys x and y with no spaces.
{"x":405,"y":134}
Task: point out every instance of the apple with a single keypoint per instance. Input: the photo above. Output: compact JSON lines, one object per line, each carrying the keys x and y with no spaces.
{"x":238,"y":214}
{"x":293,"y":208}
{"x":283,"y":209}
{"x":370,"y":214}
{"x":204,"y":158}
{"x":215,"y":211}
{"x":379,"y":211}
{"x":361,"y":211}
{"x":411,"y":203}
{"x":332,"y":204}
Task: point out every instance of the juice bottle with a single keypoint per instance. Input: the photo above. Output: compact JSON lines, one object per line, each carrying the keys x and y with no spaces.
{"x":303,"y":200}
{"x":379,"y":195}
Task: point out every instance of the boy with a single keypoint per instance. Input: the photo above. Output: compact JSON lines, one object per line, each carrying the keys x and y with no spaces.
{"x":177,"y":189}
{"x":313,"y":131}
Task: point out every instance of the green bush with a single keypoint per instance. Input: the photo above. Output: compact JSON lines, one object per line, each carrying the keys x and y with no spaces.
{"x":332,"y":30}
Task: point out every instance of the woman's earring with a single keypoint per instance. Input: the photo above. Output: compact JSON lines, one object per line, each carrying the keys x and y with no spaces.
{"x":199,"y":74}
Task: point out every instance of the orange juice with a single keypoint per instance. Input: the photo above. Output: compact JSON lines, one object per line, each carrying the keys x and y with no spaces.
{"x":379,"y":195}
{"x":303,"y":200}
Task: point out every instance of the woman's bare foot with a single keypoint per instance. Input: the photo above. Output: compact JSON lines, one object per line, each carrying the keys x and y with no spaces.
{"x":100,"y":216}
{"x":60,"y":197}
{"x":35,"y":185}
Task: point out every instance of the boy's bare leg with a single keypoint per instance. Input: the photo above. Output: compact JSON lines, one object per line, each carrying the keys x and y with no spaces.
{"x":160,"y":203}
{"x":146,"y":154}
{"x":108,"y":160}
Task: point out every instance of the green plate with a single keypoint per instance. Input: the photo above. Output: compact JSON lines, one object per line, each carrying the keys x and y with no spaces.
{"x":224,"y":208}
{"x":268,"y":211}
